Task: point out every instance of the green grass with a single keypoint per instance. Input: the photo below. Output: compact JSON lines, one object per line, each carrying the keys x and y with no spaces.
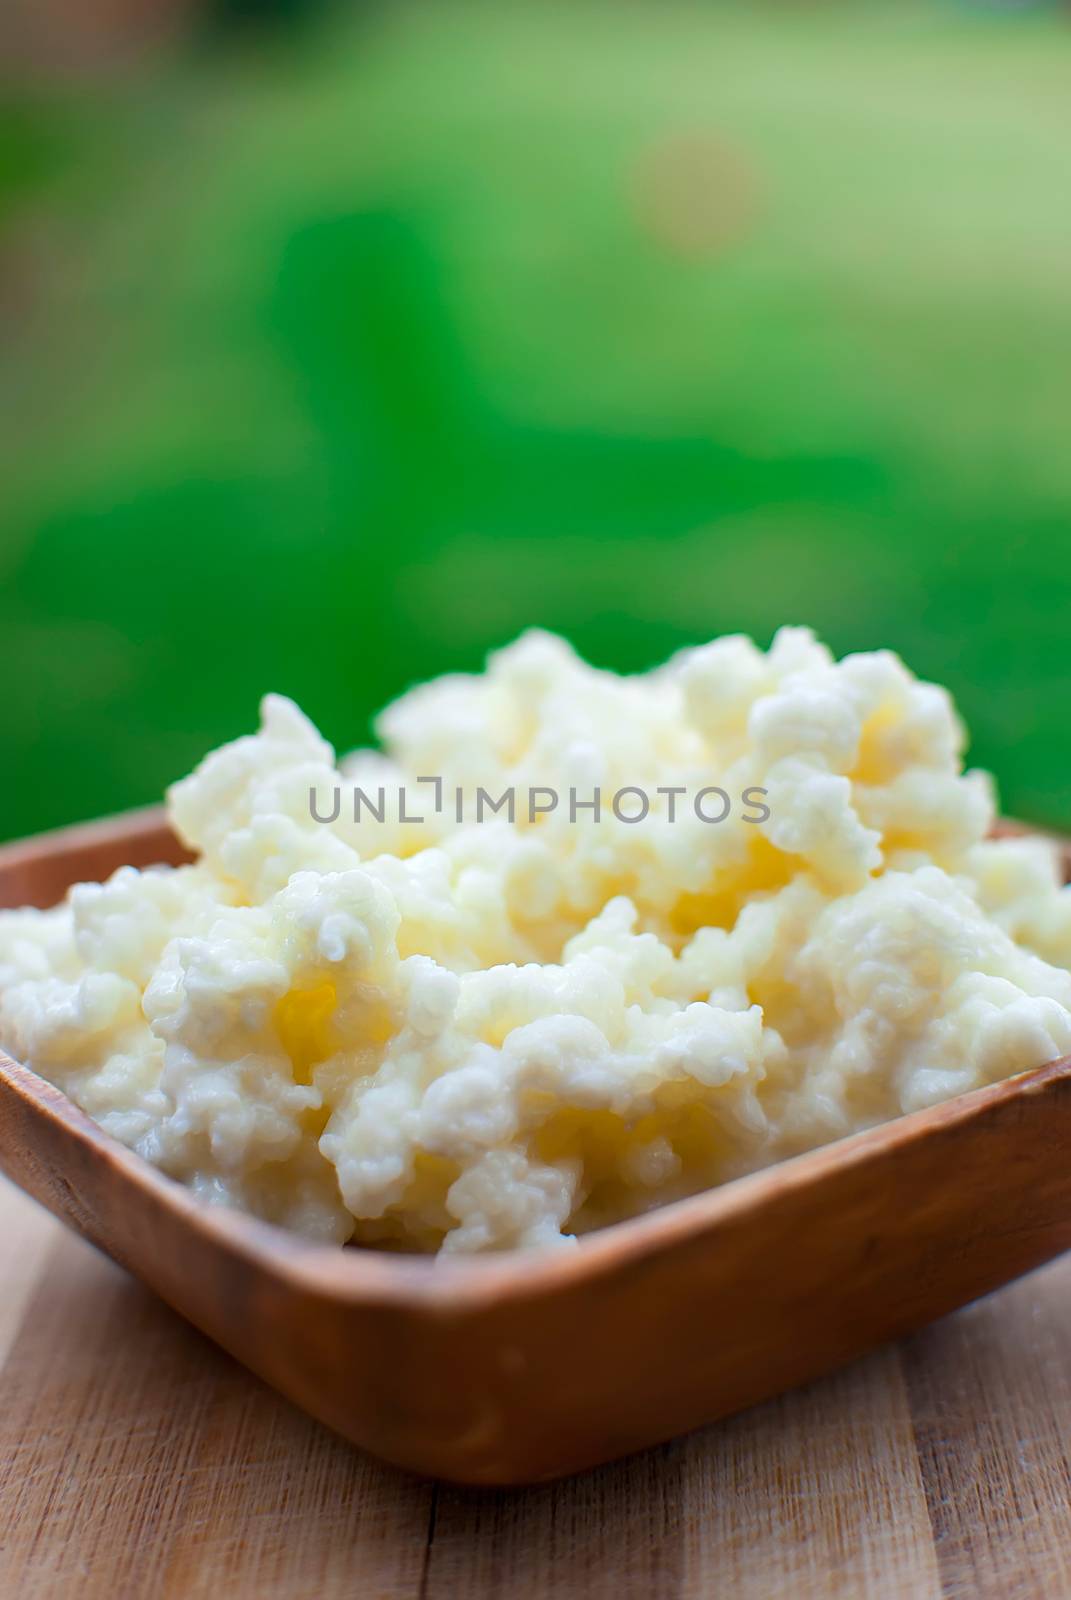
{"x":331,"y":368}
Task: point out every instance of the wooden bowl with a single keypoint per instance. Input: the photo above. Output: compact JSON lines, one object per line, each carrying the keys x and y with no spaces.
{"x":521,"y":1367}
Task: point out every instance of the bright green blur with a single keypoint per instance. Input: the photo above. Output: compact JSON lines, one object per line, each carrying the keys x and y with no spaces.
{"x":331,"y":363}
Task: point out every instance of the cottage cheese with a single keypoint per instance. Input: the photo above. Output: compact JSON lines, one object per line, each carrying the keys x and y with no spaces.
{"x":469,"y":1036}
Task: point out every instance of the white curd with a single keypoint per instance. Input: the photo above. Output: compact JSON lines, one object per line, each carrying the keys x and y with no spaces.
{"x":478,"y":1035}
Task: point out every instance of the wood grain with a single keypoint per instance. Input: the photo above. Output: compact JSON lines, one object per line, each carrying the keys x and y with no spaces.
{"x":1002,"y":1465}
{"x":136,"y":1459}
{"x":138,"y":1462}
{"x":816,"y":1494}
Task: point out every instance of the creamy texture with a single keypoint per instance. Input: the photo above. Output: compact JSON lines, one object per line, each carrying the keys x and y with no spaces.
{"x":488,"y":1035}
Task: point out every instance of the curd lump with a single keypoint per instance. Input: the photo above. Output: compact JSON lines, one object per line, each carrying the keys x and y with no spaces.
{"x":477,"y":1036}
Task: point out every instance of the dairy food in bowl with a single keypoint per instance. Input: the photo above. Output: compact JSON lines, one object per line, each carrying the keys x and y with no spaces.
{"x":571,"y":946}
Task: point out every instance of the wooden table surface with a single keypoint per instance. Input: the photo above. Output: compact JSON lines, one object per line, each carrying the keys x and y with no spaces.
{"x":138,"y":1460}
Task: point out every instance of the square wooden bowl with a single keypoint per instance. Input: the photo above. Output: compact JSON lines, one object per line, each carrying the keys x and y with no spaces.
{"x":526,"y":1366}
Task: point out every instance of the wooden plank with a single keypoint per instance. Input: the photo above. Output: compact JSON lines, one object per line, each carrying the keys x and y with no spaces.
{"x":614,"y":1531}
{"x":136,"y":1459}
{"x":815,"y":1495}
{"x":26,"y":1232}
{"x":990,"y":1391}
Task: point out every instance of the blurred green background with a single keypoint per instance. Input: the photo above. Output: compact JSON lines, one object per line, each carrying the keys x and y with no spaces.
{"x":338,"y":346}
